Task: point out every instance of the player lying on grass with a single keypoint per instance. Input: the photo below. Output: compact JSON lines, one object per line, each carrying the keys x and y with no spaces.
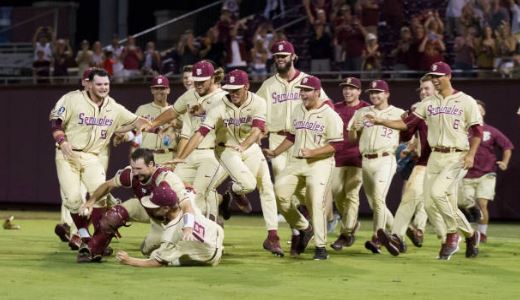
{"x":203,"y":247}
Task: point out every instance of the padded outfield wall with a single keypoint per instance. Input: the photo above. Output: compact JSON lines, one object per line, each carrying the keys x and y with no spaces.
{"x":28,"y":172}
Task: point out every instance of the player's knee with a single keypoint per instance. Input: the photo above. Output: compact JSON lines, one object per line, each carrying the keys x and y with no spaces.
{"x":73,"y":203}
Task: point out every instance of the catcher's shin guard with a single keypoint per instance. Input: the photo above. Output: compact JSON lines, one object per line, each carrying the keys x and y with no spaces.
{"x":112,"y":220}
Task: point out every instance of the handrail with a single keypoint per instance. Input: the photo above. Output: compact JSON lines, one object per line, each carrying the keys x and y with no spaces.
{"x":53,"y":11}
{"x":171,"y":21}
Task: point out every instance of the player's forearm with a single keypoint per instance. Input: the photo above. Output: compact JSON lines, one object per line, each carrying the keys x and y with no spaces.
{"x":182,"y":145}
{"x":193,"y":143}
{"x":140,"y":262}
{"x":286,"y":144}
{"x":474,"y":142}
{"x":165,"y":117}
{"x":353,"y":135}
{"x":323,"y":151}
{"x":506,"y":156}
{"x":100,"y":192}
{"x":252,"y":138}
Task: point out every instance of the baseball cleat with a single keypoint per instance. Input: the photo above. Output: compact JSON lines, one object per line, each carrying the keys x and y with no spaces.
{"x":62,"y":231}
{"x":75,"y":242}
{"x":241,"y":201}
{"x":374,"y":245}
{"x":341,"y":242}
{"x":9,"y":225}
{"x":224,"y":207}
{"x":295,"y":241}
{"x":450,"y":247}
{"x":84,"y":255}
{"x":416,"y":236}
{"x":472,"y":245}
{"x":305,"y":237}
{"x":108,"y":251}
{"x":386,"y":240}
{"x":320,"y":253}
{"x":273,"y":245}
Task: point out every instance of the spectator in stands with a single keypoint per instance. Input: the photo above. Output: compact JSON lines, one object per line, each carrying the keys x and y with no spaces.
{"x":496,"y":15}
{"x":41,"y":68}
{"x":43,"y":40}
{"x":272,"y":7}
{"x":224,"y":26}
{"x":433,"y":23}
{"x":370,"y":15}
{"x":371,"y":56}
{"x":464,"y":55}
{"x":84,"y":57}
{"x":392,"y":13}
{"x":187,"y":49}
{"x":485,"y":51}
{"x":259,"y":56}
{"x":401,"y":52}
{"x":515,"y":71}
{"x":211,"y":48}
{"x":352,"y":40}
{"x":320,"y":48}
{"x":115,"y":61}
{"x":61,"y":55}
{"x":414,"y":55}
{"x":506,"y":47}
{"x":233,"y":7}
{"x":312,"y":8}
{"x":514,"y":8}
{"x":98,"y":56}
{"x":152,"y":60}
{"x":132,"y":58}
{"x":432,"y":48}
{"x":109,"y":62}
{"x":470,"y":19}
{"x":454,"y":26}
{"x":236,"y":53}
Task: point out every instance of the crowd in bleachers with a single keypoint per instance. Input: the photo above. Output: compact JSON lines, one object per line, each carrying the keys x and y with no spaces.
{"x":478,"y":37}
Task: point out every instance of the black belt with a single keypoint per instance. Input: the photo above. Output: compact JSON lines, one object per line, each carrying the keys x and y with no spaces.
{"x":446,"y":149}
{"x":375,"y":155}
{"x":208,"y":148}
{"x":162,"y":151}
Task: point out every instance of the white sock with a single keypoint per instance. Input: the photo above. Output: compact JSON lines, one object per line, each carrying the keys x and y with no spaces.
{"x":482,"y":228}
{"x":83,"y":232}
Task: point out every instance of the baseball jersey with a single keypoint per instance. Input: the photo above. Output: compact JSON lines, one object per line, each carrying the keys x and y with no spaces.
{"x":125,"y":178}
{"x":89,"y":127}
{"x":207,"y":237}
{"x":449,"y":119}
{"x":349,"y":154}
{"x":282,"y":97}
{"x":181,"y":104}
{"x":315,"y":128}
{"x":485,"y":158}
{"x":191,"y":122}
{"x":152,"y":140}
{"x":377,"y":138}
{"x":234,"y":123}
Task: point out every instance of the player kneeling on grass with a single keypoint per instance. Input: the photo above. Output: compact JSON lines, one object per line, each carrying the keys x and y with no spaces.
{"x":202,"y":247}
{"x":142,"y":176}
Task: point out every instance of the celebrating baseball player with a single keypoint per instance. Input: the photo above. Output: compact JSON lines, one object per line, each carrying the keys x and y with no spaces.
{"x":479,"y":183}
{"x":316,"y":131}
{"x":377,"y":144}
{"x":82,"y":124}
{"x":346,"y":178}
{"x":239,"y":121}
{"x":142,"y":176}
{"x":450,"y":116}
{"x":202,"y":248}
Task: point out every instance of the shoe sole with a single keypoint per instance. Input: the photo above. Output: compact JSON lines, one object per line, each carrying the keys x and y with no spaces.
{"x":275,"y":252}
{"x":61,"y":233}
{"x":370,"y":246}
{"x":385,"y":240}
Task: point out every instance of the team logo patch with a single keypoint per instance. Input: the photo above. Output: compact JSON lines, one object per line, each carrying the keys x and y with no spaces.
{"x":305,"y":80}
{"x":374,"y":84}
{"x":280,"y":47}
{"x":159,"y":81}
{"x":486,"y":136}
{"x":198,"y":71}
{"x":349,"y":80}
{"x":61,"y":110}
{"x":434,"y":68}
{"x":232,"y":79}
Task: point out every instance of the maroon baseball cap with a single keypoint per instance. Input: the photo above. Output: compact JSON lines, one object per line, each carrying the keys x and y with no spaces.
{"x":310,"y":82}
{"x":160,"y":81}
{"x":282,"y":47}
{"x":351,"y":81}
{"x":202,"y":70}
{"x":235,"y":79}
{"x":379,"y":86}
{"x":162,"y":195}
{"x":439,"y":69}
{"x":86,"y":73}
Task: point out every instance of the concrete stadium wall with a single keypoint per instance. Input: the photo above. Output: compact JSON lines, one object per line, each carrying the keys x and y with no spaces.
{"x":28,"y":173}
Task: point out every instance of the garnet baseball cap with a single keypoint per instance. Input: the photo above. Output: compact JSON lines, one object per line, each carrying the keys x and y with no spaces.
{"x":310,"y":82}
{"x":440,"y":69}
{"x":160,"y":81}
{"x":351,"y":81}
{"x":282,"y":48}
{"x":202,"y":71}
{"x":235,"y":79}
{"x":379,"y":86}
{"x":162,"y":195}
{"x":86,"y":73}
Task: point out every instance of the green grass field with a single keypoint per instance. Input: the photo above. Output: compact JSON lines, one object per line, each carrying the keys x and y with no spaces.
{"x":35,"y":265}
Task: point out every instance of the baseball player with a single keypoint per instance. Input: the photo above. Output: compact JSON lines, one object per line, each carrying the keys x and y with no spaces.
{"x":82,"y":124}
{"x":479,"y":183}
{"x":450,"y":115}
{"x":202,"y":248}
{"x":316,"y":131}
{"x":239,"y":121}
{"x":346,"y":177}
{"x":142,"y":176}
{"x":163,"y":143}
{"x":377,"y":145}
{"x":187,"y":79}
